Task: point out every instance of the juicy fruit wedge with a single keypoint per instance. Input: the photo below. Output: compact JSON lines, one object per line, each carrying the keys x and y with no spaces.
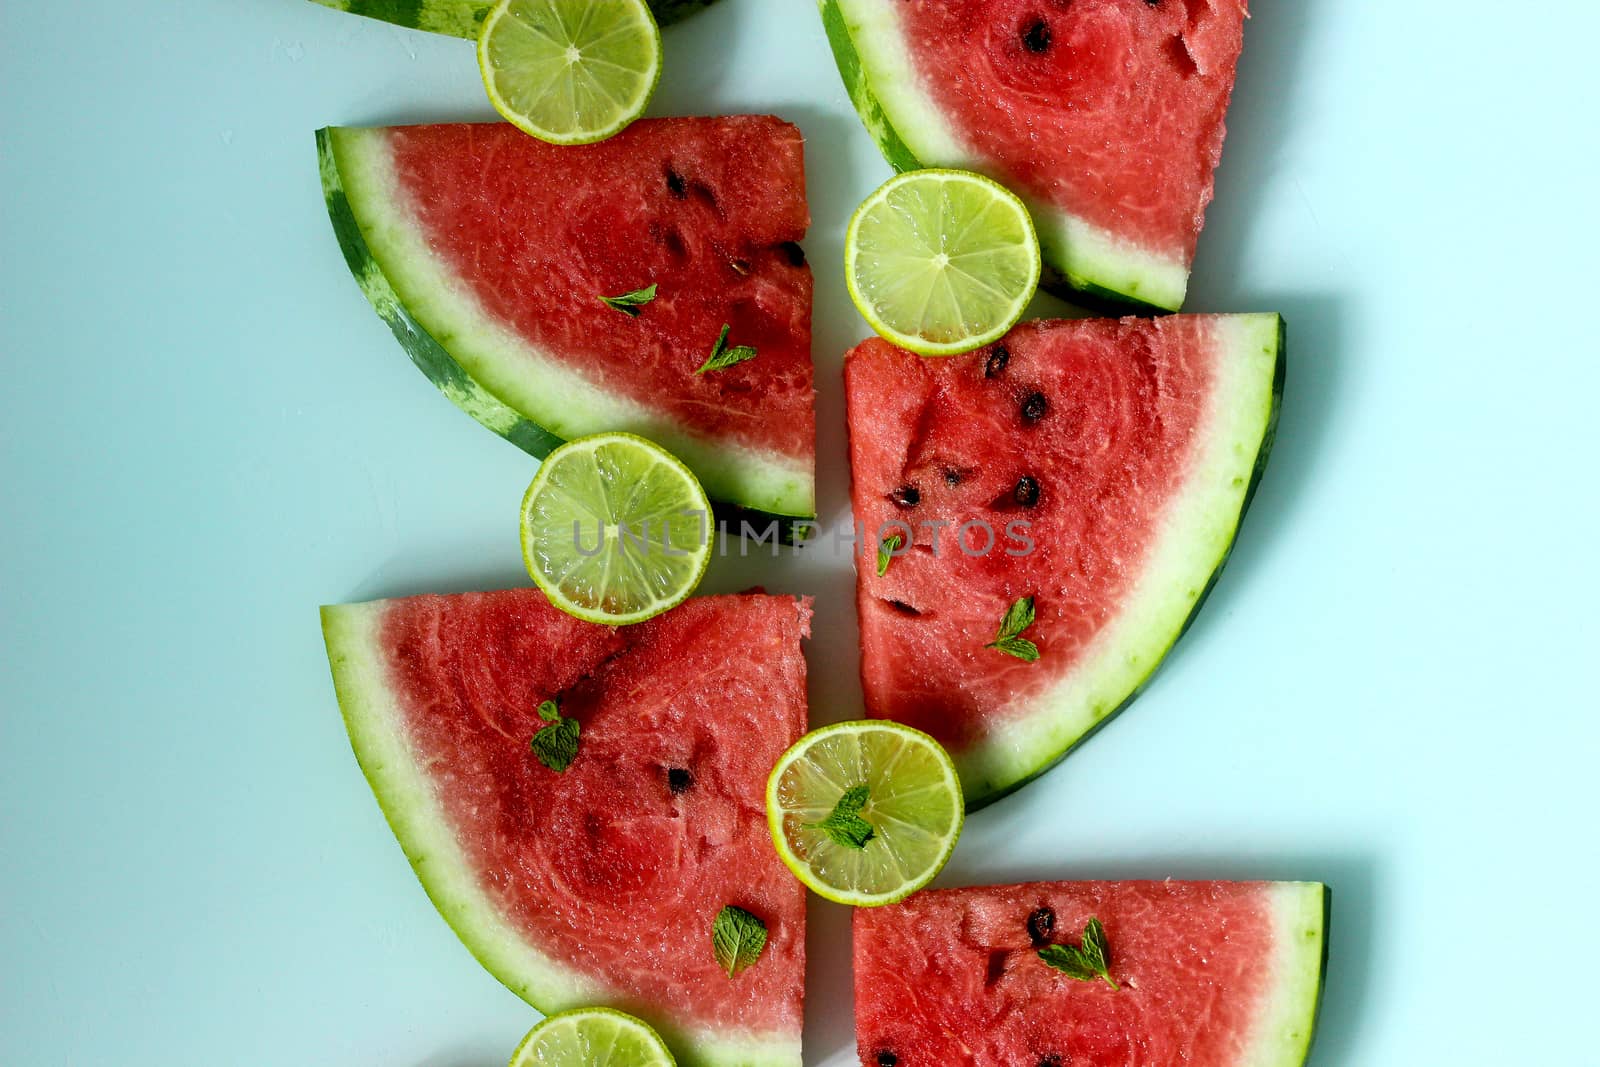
{"x":590,"y":1036}
{"x":941,"y":261}
{"x":599,"y":884}
{"x":1209,"y":974}
{"x":615,"y":529}
{"x":570,"y":71}
{"x":865,"y":813}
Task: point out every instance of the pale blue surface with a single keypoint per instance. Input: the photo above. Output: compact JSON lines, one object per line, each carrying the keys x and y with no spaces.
{"x":207,"y":433}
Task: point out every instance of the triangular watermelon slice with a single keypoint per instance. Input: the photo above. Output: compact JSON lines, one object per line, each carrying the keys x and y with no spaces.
{"x":1106,"y":116}
{"x":1207,"y":974}
{"x":489,"y":252}
{"x":462,"y":18}
{"x":1099,"y":467}
{"x":597,"y":885}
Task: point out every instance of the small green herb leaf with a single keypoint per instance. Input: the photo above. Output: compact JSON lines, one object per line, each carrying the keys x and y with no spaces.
{"x":1085,"y":963}
{"x":844,"y":825}
{"x":737,"y":938}
{"x":555,"y":746}
{"x":886,"y":550}
{"x":630,"y":303}
{"x":1009,"y":640}
{"x":723,"y":356}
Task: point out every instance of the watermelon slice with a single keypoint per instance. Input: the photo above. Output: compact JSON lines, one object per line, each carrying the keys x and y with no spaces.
{"x":1099,"y":467}
{"x":598,"y":885}
{"x":461,"y":18}
{"x":488,"y":253}
{"x":1106,"y":116}
{"x":1209,"y":974}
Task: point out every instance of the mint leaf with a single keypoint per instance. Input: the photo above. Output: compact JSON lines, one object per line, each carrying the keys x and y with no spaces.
{"x":722,"y":356}
{"x":556,"y":745}
{"x":1020,"y":647}
{"x":630,"y":303}
{"x":844,"y":825}
{"x":1019,"y":617}
{"x":737,"y":939}
{"x":1085,"y":963}
{"x":886,"y":551}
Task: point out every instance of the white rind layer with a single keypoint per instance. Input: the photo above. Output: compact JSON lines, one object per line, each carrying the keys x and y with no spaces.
{"x":375,"y":721}
{"x":524,"y":377}
{"x":1283,"y":1030}
{"x":900,"y":113}
{"x":1196,"y":534}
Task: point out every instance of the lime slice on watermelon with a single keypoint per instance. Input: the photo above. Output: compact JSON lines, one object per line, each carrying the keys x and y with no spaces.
{"x":941,"y":261}
{"x":590,"y":1036}
{"x":615,"y":529}
{"x":865,"y":813}
{"x":570,"y":71}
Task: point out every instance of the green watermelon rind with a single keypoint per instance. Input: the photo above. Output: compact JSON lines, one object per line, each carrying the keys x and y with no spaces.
{"x":1052,"y":725}
{"x":373,"y":718}
{"x":462,"y":18}
{"x":1287,"y":1025}
{"x":1079,"y":257}
{"x":438,"y":325}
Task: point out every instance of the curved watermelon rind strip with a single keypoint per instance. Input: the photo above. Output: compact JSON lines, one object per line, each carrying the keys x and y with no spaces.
{"x":1082,"y":261}
{"x":373,"y":718}
{"x":1288,"y":1026}
{"x":462,"y":18}
{"x":1005,"y":763}
{"x":455,"y":381}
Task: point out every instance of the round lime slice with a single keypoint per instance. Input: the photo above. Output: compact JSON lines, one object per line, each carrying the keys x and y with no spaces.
{"x":941,"y":261}
{"x":570,"y":71}
{"x":615,"y":529}
{"x":590,"y":1037}
{"x":865,"y":813}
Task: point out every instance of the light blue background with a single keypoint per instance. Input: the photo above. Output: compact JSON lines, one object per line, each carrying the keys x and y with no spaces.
{"x":207,"y":433}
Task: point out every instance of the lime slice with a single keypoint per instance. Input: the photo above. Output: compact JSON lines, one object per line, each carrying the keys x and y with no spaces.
{"x":592,"y":1037}
{"x":570,"y":71}
{"x":911,"y":808}
{"x":941,"y":261}
{"x":615,"y":529}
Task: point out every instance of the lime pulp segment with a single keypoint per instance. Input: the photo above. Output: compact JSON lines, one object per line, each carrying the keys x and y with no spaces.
{"x":914,"y":809}
{"x":941,"y":261}
{"x":570,"y":71}
{"x":615,"y":529}
{"x":592,"y":1037}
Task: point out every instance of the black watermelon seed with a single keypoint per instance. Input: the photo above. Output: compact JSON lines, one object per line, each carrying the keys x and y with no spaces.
{"x":1052,"y":1061}
{"x":887,"y":1058}
{"x":952,"y":477}
{"x":740,"y":267}
{"x":679,"y":780}
{"x":905,"y":609}
{"x":676,"y":185}
{"x":1041,"y":924}
{"x":796,"y":254}
{"x":1036,"y":38}
{"x":997,"y":361}
{"x":1034,"y":407}
{"x":908,"y":496}
{"x":1027,"y":491}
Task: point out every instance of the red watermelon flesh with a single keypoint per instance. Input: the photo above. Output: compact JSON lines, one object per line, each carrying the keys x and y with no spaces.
{"x":1211,"y":974}
{"x":1118,"y":119}
{"x":599,"y":884}
{"x":501,"y":248}
{"x":1106,"y":115}
{"x":1099,"y":467}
